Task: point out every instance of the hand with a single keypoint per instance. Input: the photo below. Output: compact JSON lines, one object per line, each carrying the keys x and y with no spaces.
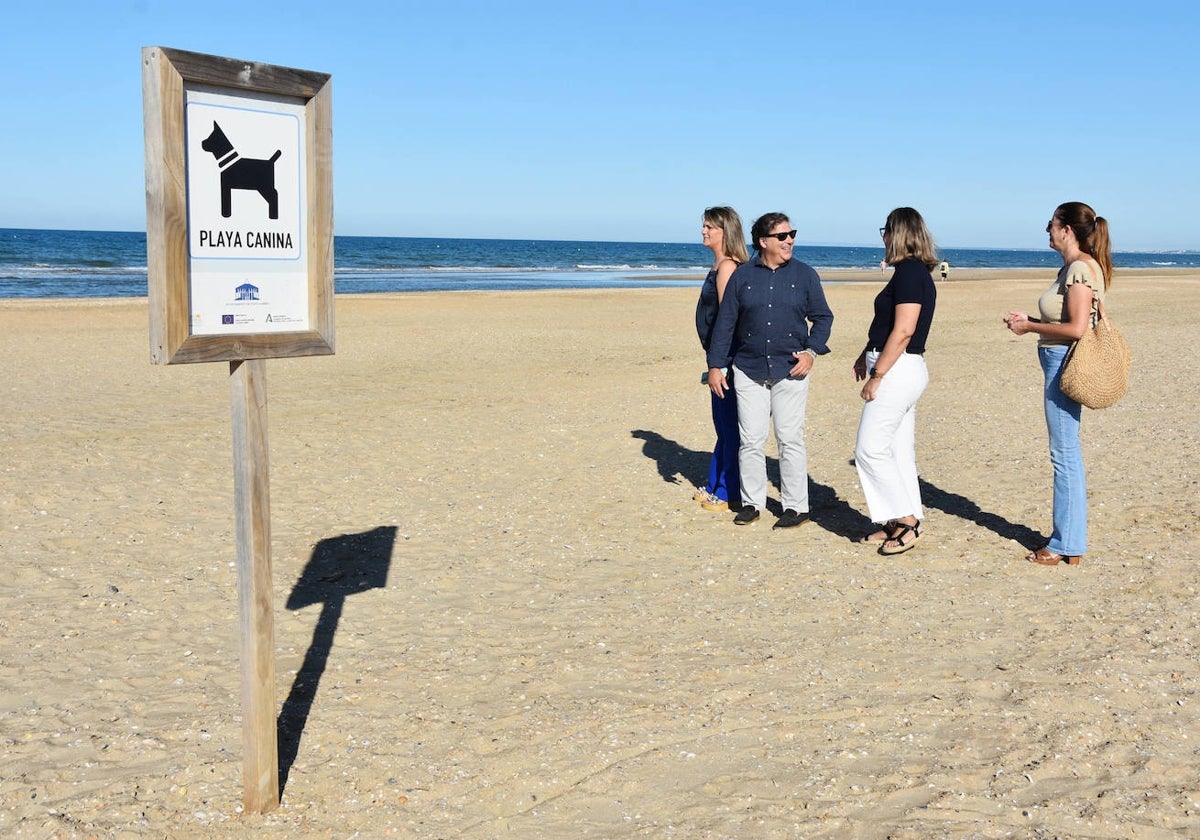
{"x":870,"y":389}
{"x":1017,"y":322}
{"x":804,"y":363}
{"x":717,"y":383}
{"x":860,"y":367}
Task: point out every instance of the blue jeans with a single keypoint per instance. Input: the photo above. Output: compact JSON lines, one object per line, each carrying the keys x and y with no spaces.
{"x":723,"y":468}
{"x":1070,"y":483}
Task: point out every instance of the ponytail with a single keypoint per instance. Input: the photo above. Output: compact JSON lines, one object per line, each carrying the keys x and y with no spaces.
{"x":1101,"y":249}
{"x":1091,"y":232}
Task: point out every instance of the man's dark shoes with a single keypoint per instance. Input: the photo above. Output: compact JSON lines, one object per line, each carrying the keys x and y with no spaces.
{"x":746,"y":515}
{"x":791,"y":519}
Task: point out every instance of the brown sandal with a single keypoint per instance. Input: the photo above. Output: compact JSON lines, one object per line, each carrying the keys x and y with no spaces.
{"x":1045,"y":557}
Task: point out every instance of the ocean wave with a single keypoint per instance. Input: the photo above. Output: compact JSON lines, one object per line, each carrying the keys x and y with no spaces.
{"x":444,"y":269}
{"x":476,"y":270}
{"x":38,"y":270}
{"x":50,"y":263}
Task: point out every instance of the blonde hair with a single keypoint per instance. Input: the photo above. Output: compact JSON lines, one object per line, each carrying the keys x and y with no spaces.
{"x":730,"y":223}
{"x":1091,"y":232}
{"x":909,"y":238}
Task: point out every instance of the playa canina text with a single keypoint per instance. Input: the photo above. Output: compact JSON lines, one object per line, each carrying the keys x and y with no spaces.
{"x":245,"y":239}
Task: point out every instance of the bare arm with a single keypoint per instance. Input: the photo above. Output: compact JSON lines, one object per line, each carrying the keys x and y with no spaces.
{"x":1079,"y":317}
{"x":724,"y":272}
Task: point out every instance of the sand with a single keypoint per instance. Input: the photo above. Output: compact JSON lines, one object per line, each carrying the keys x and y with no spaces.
{"x":517,"y":622}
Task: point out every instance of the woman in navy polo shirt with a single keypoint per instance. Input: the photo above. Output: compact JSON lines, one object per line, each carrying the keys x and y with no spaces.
{"x":893,"y":365}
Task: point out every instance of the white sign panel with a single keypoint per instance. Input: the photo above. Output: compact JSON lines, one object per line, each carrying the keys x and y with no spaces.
{"x":246,"y":198}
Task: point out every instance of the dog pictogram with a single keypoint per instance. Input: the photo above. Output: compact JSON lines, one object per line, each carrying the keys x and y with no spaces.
{"x":239,"y":173}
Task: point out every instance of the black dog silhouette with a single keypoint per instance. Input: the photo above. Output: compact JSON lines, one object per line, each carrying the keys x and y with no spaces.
{"x":239,"y":173}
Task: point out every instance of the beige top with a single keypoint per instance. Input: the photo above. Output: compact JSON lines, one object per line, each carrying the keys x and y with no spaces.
{"x":1052,"y":305}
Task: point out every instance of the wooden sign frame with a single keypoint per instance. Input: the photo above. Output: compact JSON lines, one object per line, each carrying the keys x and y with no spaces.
{"x":167,"y":75}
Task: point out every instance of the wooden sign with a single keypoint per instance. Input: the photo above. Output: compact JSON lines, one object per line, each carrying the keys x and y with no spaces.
{"x":239,"y":208}
{"x":239,"y":248}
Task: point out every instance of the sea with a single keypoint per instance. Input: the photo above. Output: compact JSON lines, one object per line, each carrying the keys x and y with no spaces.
{"x":84,"y":264}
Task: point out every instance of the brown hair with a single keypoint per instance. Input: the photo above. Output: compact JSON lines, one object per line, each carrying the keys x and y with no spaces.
{"x":909,"y":238}
{"x":730,"y":223}
{"x":1091,"y":232}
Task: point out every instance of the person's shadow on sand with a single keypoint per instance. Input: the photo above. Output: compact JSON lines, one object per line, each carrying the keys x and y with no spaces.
{"x":964,"y":508}
{"x":674,"y":460}
{"x":339,"y":567}
{"x":828,"y":510}
{"x":852,"y":524}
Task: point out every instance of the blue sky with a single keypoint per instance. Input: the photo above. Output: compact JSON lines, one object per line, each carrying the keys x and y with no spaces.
{"x":622,"y":120}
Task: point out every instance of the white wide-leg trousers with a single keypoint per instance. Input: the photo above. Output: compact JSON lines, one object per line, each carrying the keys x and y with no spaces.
{"x":886,"y":453}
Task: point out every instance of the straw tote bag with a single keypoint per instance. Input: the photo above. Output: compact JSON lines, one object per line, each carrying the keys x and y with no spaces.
{"x":1096,"y":370}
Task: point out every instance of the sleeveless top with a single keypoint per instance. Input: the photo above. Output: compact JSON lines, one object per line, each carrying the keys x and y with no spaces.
{"x":709,"y":303}
{"x":706,"y":309}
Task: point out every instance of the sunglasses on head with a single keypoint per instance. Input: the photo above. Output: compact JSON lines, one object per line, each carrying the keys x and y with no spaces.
{"x":783,"y":235}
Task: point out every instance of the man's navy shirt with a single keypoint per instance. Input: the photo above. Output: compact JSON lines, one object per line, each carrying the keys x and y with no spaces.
{"x":765,"y":316}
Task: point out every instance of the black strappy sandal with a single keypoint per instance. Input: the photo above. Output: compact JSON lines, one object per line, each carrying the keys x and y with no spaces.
{"x":887,"y":529}
{"x":898,"y":538}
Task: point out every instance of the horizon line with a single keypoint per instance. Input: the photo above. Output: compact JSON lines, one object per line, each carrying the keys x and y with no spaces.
{"x":648,"y":241}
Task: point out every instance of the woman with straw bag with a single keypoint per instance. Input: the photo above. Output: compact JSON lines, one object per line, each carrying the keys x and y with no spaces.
{"x":1066,"y":312}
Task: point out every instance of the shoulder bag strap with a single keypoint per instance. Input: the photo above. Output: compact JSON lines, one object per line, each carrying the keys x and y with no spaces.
{"x":1097,"y":303}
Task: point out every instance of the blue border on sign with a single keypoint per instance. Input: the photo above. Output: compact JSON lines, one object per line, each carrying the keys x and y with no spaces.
{"x":300,"y":202}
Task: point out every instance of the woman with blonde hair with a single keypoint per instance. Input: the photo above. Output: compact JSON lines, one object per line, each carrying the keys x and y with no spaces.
{"x":1067,"y":309}
{"x":721,"y":233}
{"x":893,"y":365}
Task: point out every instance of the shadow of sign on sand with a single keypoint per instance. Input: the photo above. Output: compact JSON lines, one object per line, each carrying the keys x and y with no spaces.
{"x":339,"y":567}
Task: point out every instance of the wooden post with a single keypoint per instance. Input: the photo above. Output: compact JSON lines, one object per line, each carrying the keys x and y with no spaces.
{"x":292,"y":113}
{"x":252,"y":499}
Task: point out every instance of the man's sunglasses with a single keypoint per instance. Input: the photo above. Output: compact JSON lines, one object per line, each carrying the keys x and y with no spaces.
{"x":784,"y":235}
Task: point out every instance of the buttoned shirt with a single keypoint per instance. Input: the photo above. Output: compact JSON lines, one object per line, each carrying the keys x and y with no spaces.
{"x":768,"y":314}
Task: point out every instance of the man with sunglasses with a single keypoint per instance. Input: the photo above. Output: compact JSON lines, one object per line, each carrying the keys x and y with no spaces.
{"x":772,"y":324}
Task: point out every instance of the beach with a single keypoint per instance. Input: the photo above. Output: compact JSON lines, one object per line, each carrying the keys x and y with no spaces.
{"x":499,"y":612}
